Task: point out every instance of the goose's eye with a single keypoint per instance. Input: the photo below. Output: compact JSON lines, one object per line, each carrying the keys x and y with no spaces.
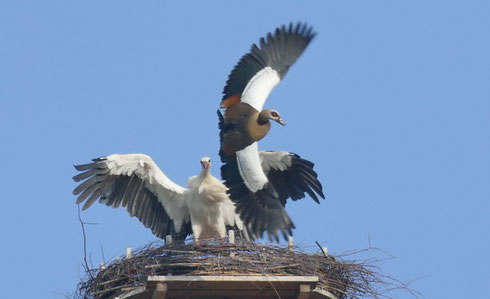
{"x":273,"y":113}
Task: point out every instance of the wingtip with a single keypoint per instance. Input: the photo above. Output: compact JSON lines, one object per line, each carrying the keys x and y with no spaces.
{"x":82,"y":167}
{"x":302,"y":28}
{"x":79,"y":167}
{"x":278,"y":50}
{"x":77,"y":190}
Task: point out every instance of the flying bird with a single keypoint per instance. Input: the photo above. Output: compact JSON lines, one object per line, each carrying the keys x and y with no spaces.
{"x":261,"y":182}
{"x":135,"y":182}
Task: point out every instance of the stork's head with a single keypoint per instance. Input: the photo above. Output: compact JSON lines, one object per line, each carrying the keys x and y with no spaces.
{"x":272,"y":115}
{"x":206,"y":163}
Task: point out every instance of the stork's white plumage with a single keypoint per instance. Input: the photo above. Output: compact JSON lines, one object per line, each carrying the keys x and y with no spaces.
{"x":135,"y":182}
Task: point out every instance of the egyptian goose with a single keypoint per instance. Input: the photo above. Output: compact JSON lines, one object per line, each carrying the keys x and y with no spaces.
{"x":260,"y":183}
{"x":135,"y":182}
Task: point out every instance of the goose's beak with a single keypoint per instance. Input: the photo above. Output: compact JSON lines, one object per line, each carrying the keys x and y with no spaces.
{"x":280,"y":121}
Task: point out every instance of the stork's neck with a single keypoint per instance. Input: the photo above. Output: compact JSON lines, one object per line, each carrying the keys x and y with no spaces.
{"x":205,"y":173}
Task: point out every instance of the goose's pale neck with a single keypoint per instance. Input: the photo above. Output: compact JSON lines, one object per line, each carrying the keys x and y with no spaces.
{"x":263,"y":119}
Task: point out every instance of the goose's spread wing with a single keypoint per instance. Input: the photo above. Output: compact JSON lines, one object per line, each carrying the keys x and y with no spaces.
{"x":291,"y":175}
{"x":260,"y":183}
{"x":135,"y":182}
{"x":259,"y":71}
{"x":256,"y":201}
{"x":261,"y":210}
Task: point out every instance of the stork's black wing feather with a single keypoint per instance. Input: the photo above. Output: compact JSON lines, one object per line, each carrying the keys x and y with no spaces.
{"x":129,"y":192}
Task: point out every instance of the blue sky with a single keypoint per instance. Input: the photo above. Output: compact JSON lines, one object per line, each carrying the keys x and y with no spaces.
{"x":391,"y":101}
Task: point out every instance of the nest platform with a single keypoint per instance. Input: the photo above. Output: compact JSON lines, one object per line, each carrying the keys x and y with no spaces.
{"x":217,"y":269}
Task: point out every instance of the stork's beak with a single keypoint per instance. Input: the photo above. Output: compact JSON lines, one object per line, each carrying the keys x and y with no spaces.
{"x":280,"y":121}
{"x":205,"y":165}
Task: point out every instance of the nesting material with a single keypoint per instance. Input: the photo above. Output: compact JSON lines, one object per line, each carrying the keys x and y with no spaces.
{"x":344,"y":279}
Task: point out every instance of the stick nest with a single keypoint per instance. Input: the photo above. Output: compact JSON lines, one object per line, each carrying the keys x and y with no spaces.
{"x":344,"y":279}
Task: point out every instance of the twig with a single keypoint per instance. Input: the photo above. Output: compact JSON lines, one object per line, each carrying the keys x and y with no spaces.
{"x":102,"y":251}
{"x":321,"y":248}
{"x":87,"y":269}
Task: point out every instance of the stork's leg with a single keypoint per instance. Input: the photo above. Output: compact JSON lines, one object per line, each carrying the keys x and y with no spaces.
{"x":196,"y":230}
{"x":221,"y":229}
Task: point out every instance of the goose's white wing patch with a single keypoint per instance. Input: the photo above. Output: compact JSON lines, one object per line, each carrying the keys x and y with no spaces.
{"x":250,"y":168}
{"x":259,"y":87}
{"x":279,"y":160}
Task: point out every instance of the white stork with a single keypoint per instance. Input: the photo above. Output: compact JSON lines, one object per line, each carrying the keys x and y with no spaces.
{"x":135,"y":182}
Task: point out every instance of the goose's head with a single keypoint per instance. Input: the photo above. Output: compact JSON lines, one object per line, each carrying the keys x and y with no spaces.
{"x":271,"y":114}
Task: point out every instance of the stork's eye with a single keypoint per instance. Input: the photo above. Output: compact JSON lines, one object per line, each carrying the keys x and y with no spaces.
{"x":273,"y":113}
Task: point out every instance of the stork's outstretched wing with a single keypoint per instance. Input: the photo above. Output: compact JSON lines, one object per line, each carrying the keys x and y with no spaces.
{"x":135,"y":182}
{"x":234,"y":222}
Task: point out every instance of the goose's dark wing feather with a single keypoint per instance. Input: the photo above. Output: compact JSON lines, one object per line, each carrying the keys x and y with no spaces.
{"x":268,"y":63}
{"x":288,"y":176}
{"x":261,"y":211}
{"x":291,"y":175}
